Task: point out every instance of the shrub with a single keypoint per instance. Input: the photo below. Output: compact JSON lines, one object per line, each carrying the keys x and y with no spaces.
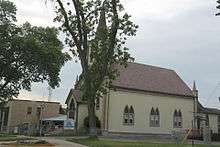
{"x":86,"y":122}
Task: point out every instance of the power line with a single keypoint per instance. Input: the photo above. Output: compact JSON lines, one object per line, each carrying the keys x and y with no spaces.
{"x":213,"y":92}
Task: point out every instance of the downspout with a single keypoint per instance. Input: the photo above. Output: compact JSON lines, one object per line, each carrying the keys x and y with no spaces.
{"x":104,"y":113}
{"x":76,"y":123}
{"x":108,"y":112}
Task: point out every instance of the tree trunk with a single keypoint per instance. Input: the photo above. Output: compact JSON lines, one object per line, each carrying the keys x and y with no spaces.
{"x":92,"y":119}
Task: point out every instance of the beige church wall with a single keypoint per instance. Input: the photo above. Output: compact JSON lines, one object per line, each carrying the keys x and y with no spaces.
{"x":213,"y":122}
{"x":82,"y":114}
{"x":142,"y":104}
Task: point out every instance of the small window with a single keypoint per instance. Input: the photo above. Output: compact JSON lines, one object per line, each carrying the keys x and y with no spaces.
{"x":154,"y":117}
{"x":128,"y":116}
{"x":38,"y":111}
{"x":29,"y":110}
{"x":177,"y":119}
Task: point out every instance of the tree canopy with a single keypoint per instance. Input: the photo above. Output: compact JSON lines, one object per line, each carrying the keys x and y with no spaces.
{"x":218,"y":7}
{"x":27,"y":54}
{"x":96,"y":32}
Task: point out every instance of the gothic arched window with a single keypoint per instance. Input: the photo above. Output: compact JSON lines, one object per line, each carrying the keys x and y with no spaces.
{"x":72,"y":105}
{"x":154,"y":117}
{"x":131,"y":116}
{"x":71,"y":111}
{"x":128,"y":116}
{"x":177,"y":119}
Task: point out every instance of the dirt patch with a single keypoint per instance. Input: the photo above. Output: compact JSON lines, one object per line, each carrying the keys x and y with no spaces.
{"x":28,"y":145}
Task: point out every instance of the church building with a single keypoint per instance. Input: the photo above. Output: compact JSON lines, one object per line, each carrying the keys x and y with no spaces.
{"x":143,"y":99}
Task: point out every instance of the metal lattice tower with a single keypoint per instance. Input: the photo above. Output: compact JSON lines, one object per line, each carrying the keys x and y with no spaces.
{"x":49,"y":93}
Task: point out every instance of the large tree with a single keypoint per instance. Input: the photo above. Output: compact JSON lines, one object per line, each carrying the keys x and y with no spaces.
{"x":218,"y":7}
{"x":27,"y":54}
{"x":96,"y":32}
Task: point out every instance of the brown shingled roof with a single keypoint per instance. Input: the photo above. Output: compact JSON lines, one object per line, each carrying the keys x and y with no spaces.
{"x":150,"y":78}
{"x":76,"y":93}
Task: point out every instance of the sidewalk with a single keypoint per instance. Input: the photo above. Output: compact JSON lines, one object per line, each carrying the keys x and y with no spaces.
{"x":59,"y":142}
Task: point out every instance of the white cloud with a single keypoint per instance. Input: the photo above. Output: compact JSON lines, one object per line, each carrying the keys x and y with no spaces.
{"x":177,"y":34}
{"x":26,"y":95}
{"x":37,"y":12}
{"x":160,"y":9}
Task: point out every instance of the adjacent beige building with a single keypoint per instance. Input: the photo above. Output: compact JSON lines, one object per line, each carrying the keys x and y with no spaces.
{"x":144,"y":99}
{"x":209,"y":117}
{"x":16,"y":113}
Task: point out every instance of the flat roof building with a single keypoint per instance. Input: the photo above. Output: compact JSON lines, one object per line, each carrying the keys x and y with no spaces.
{"x":16,"y":113}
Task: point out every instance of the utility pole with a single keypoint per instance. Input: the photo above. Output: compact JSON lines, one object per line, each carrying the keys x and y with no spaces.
{"x":42,"y":106}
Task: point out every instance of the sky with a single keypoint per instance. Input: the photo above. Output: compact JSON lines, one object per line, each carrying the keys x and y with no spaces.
{"x":180,"y":35}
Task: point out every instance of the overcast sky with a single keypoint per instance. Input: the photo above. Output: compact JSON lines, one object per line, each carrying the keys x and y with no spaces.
{"x":180,"y":35}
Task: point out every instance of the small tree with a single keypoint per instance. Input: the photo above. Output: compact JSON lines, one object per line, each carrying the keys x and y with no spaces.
{"x":96,"y":32}
{"x":27,"y":54}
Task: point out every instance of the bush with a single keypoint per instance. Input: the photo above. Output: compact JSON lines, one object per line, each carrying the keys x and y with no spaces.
{"x":86,"y":122}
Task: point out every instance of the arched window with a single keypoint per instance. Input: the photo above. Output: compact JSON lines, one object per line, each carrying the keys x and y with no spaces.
{"x":128,"y":116}
{"x":131,"y":116}
{"x":72,"y":105}
{"x":71,"y":109}
{"x":154,"y":117}
{"x":177,"y":119}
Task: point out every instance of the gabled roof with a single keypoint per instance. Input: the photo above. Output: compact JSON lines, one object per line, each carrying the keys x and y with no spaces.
{"x":76,"y":93}
{"x":152,"y":79}
{"x":148,"y":78}
{"x":205,"y":110}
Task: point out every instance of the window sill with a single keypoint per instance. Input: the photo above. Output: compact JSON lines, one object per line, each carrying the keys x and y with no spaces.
{"x":128,"y":124}
{"x":154,"y":126}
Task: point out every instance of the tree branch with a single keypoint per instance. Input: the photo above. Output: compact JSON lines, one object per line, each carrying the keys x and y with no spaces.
{"x":114,"y":27}
{"x":73,"y":34}
{"x":85,"y":33}
{"x":4,"y":85}
{"x":76,"y":6}
{"x":90,"y":13}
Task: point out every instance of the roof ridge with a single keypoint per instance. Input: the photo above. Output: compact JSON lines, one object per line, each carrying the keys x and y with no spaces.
{"x":154,"y":66}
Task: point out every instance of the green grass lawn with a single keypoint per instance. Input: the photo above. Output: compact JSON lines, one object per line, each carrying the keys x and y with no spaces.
{"x":111,"y":143}
{"x":9,"y":137}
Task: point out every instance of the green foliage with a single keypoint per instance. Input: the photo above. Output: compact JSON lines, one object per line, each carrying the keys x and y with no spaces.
{"x":27,"y":54}
{"x":113,"y":143}
{"x":86,"y":122}
{"x":62,"y":110}
{"x":218,"y":6}
{"x":96,"y":32}
{"x":7,"y":12}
